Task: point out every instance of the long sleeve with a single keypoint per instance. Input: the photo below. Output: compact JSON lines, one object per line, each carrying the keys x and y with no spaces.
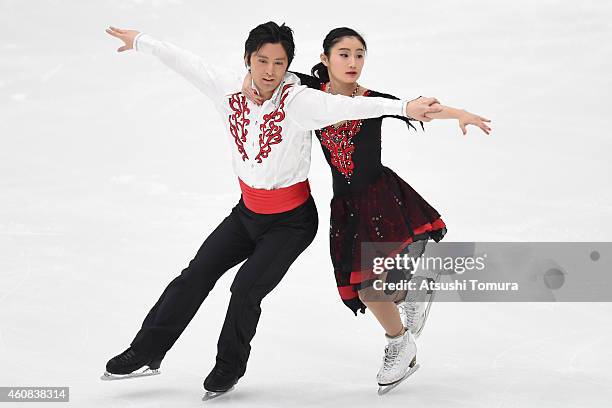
{"x":404,"y":118}
{"x":308,"y":80}
{"x":213,"y":81}
{"x":311,"y":109}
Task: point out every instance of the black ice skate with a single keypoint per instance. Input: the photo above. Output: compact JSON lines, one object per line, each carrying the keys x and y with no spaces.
{"x":131,"y":364}
{"x":217,"y":383}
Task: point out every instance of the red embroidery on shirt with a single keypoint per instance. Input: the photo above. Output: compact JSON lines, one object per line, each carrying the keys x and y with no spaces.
{"x":271,"y":129}
{"x":238,"y":122}
{"x":340,"y":145}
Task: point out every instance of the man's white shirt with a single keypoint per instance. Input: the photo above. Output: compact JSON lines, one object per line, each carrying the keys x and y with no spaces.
{"x":271,"y":143}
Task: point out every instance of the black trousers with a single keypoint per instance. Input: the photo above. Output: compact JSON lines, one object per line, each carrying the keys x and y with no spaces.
{"x":269,"y":243}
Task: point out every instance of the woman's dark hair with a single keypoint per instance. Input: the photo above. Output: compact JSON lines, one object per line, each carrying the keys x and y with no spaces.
{"x":331,"y":39}
{"x":270,"y":33}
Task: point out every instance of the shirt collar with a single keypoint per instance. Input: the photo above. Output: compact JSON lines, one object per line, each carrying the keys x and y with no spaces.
{"x":289,"y":78}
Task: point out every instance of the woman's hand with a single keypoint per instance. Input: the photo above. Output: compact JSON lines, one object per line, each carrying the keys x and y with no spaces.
{"x":249,"y":92}
{"x":418,"y":108}
{"x":127,"y":36}
{"x":466,"y":118}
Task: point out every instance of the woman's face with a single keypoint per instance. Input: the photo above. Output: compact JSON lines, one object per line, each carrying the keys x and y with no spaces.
{"x":345,"y":61}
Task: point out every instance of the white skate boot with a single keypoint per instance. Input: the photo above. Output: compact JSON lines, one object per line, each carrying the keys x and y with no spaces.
{"x":399,"y":362}
{"x":415,"y":308}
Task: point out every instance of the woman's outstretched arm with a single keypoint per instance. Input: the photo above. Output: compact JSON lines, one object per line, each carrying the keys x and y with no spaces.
{"x":464,"y":117}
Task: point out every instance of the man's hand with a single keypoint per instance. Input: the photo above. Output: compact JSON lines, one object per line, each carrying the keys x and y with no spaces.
{"x":127,"y":36}
{"x":421,"y":106}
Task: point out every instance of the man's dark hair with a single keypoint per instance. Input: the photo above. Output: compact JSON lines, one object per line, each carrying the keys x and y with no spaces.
{"x":272,"y":33}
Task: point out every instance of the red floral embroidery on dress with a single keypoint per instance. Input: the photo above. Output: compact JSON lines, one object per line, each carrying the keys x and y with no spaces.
{"x":270,"y":128}
{"x":238,"y":122}
{"x":338,"y":141}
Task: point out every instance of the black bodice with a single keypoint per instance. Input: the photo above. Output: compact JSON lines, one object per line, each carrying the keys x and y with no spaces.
{"x":353,"y":149}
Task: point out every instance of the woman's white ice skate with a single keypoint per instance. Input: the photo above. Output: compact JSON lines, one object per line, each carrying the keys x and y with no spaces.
{"x":399,"y":362}
{"x":414,"y":310}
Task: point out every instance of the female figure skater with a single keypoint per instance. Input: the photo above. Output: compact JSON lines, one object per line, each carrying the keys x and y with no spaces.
{"x":275,"y":219}
{"x":373,"y":205}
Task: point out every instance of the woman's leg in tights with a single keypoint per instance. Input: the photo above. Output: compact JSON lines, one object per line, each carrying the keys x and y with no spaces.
{"x":384,"y":305}
{"x":385,"y":311}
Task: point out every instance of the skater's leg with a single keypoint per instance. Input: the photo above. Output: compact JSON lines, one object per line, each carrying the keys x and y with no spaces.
{"x":276,"y":250}
{"x":383,"y":304}
{"x":399,"y":359}
{"x":387,"y":315}
{"x":225,"y":247}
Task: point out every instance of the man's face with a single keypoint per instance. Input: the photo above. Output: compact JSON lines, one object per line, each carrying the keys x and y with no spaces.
{"x":268,"y":67}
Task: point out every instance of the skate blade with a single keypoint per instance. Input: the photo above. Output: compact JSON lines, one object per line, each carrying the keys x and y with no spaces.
{"x":143,"y":372}
{"x":214,"y":394}
{"x":383,"y":389}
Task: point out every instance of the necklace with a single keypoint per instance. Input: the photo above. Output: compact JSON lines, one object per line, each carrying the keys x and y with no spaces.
{"x":329,"y":89}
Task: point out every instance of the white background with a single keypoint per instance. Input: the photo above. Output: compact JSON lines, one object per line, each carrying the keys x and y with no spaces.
{"x":113,"y":170}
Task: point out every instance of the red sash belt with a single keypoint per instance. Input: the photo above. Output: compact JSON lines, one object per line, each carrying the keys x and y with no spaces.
{"x":275,"y":201}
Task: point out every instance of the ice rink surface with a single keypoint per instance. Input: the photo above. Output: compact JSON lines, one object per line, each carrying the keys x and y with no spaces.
{"x":113,"y":170}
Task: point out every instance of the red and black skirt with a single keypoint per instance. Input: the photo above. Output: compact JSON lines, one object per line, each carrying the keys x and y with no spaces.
{"x":389,"y":212}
